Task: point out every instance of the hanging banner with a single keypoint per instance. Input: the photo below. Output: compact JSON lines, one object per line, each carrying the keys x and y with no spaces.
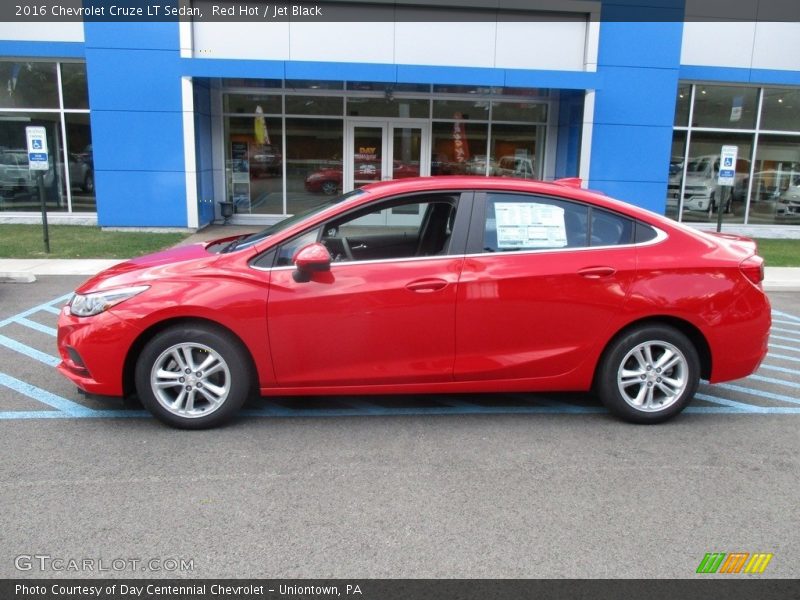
{"x":460,"y":144}
{"x":261,"y":133}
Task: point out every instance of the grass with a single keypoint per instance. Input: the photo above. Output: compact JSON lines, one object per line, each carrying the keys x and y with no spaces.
{"x":779,"y":253}
{"x":73,"y":241}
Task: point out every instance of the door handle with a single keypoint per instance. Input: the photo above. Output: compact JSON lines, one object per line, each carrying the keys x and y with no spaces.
{"x":425,"y":286}
{"x":597,"y":272}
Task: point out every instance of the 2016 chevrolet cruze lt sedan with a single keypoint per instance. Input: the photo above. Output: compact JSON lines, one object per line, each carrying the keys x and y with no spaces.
{"x":424,"y":285}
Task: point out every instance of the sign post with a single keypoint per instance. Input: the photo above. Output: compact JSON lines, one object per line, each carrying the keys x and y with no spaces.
{"x":727,"y":177}
{"x":38,"y":161}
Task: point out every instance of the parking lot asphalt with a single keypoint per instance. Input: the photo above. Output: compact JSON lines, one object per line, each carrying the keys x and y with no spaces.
{"x":490,"y":485}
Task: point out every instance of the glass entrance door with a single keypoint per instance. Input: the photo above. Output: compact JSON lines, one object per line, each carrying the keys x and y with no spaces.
{"x":378,"y":150}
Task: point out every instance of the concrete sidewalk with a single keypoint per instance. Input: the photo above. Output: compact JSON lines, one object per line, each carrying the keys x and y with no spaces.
{"x":12,"y":270}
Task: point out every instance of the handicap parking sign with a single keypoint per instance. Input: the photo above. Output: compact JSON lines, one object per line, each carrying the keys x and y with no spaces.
{"x":37,"y":148}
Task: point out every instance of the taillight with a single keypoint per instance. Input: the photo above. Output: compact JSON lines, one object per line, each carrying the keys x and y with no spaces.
{"x":753,"y":268}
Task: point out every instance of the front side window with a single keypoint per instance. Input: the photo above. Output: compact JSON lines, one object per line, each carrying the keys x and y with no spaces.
{"x":408,"y":228}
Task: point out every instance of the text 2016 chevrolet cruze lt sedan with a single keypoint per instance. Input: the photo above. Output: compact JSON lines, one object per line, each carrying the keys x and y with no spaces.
{"x":450,"y":284}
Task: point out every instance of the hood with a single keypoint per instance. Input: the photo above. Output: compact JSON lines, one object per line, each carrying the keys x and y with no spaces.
{"x":151,"y":266}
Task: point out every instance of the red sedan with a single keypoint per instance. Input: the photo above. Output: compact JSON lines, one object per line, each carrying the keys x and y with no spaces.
{"x":451,"y":284}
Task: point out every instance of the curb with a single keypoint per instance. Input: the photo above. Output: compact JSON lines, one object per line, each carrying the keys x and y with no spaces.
{"x":13,"y":277}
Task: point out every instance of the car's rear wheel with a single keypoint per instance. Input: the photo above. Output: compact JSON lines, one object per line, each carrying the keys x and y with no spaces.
{"x":648,"y":374}
{"x":193,"y":376}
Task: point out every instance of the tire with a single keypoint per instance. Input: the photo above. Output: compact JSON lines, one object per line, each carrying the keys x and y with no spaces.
{"x":193,"y":401}
{"x":330,"y":188}
{"x":660,"y":395}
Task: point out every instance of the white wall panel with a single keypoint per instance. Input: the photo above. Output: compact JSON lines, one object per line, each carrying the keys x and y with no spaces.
{"x":539,"y":45}
{"x":452,"y":44}
{"x":256,"y":41}
{"x":718,"y":44}
{"x":559,"y":45}
{"x":342,"y":42}
{"x":42,"y":32}
{"x":777,"y":46}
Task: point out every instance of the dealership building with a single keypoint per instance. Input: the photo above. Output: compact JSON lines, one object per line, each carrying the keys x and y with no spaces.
{"x":167,"y":124}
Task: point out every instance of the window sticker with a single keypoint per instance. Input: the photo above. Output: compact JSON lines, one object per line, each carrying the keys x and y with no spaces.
{"x":529,"y":225}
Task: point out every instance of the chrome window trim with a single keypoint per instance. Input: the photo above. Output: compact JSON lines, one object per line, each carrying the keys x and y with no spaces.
{"x":661,"y":235}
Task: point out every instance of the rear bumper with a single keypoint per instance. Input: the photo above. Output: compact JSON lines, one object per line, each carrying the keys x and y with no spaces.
{"x":738,"y":350}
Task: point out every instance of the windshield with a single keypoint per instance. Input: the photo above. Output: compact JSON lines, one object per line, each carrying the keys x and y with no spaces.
{"x":698,"y":166}
{"x":288,"y":222}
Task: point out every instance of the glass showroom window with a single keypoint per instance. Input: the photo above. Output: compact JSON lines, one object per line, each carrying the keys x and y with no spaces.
{"x":308,"y":122}
{"x":54,"y":96}
{"x":254,"y":163}
{"x":764,"y":125}
{"x":313,"y":161}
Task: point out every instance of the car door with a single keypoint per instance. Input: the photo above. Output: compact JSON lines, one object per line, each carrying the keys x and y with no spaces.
{"x":385,"y":320}
{"x":538,"y":291}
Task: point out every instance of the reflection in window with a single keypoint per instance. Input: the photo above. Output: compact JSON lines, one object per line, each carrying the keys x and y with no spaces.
{"x":528,"y":112}
{"x":80,"y":162}
{"x":725,"y":107}
{"x":19,"y":190}
{"x":73,"y":83}
{"x":384,"y":107}
{"x":314,"y":105}
{"x":703,"y":196}
{"x":682,"y":103}
{"x":675,"y":173}
{"x":781,"y":109}
{"x":313,"y":161}
{"x":458,"y":148}
{"x":775,"y":189}
{"x":252,"y":103}
{"x":514,"y":151}
{"x":254,"y":164}
{"x":26,"y":84}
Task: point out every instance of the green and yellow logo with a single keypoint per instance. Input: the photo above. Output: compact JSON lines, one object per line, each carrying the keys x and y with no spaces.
{"x":735,"y":562}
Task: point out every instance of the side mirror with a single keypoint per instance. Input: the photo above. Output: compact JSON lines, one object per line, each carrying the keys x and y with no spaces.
{"x":310,"y":259}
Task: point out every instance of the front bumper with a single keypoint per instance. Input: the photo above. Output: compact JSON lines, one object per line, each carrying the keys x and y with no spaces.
{"x":93,"y":351}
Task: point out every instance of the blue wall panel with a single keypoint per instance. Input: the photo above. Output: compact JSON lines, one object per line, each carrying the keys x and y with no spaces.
{"x":134,"y":73}
{"x":738,"y":75}
{"x":138,"y":141}
{"x":570,"y":124}
{"x":42,"y":49}
{"x":143,"y":36}
{"x":646,"y":194}
{"x":635,"y":108}
{"x":141,"y":199}
{"x":142,"y":80}
{"x":339,"y":71}
{"x":630,"y":153}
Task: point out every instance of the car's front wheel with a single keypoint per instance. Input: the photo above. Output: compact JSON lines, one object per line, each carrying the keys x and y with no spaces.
{"x":648,"y":374}
{"x":193,"y":376}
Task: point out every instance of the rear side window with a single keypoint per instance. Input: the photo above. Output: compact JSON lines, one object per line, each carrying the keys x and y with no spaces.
{"x":644,"y":233}
{"x":516,"y":222}
{"x":610,"y":229}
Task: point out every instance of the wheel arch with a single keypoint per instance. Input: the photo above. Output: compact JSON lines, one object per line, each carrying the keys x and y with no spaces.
{"x":688,"y":329}
{"x":129,"y":366}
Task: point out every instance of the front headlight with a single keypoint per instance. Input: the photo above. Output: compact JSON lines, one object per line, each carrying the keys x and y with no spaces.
{"x":87,"y":305}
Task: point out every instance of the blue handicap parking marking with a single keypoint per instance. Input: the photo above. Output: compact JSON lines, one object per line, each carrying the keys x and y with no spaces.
{"x":748,"y":395}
